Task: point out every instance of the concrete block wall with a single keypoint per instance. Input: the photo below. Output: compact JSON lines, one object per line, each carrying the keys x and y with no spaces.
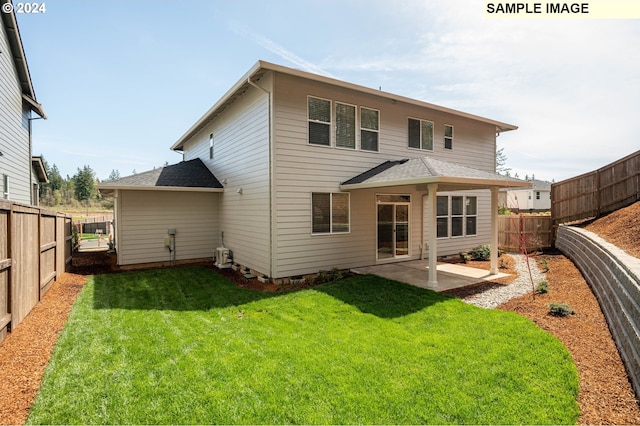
{"x":614,"y":277}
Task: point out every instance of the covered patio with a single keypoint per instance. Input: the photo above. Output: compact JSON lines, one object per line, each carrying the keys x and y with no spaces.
{"x":432,"y":175}
{"x":413,"y":272}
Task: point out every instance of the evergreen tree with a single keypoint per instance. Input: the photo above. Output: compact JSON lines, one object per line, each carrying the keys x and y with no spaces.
{"x":84,"y":181}
{"x":501,"y":161}
{"x":115,"y":174}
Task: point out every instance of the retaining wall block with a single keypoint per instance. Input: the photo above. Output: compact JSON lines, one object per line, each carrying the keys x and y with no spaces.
{"x":614,"y":277}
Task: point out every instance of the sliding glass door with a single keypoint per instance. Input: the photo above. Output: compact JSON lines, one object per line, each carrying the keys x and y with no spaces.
{"x":393,"y":226}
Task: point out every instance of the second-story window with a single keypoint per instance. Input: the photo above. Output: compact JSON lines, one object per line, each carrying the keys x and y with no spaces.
{"x":210,"y":146}
{"x":369,"y":129}
{"x":319,"y":115}
{"x":345,"y":126}
{"x":448,"y":136}
{"x":420,"y":134}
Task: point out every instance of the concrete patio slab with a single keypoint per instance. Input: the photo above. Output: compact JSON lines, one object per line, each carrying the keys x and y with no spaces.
{"x":416,"y":272}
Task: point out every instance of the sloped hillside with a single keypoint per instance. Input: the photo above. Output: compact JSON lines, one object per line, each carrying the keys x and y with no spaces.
{"x":621,"y":228}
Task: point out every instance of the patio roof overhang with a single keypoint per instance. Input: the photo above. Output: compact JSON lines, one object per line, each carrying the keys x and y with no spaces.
{"x":426,"y":170}
{"x":432,"y":176}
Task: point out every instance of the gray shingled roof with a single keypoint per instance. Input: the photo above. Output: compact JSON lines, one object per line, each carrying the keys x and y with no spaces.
{"x":187,"y":174}
{"x":429,"y":170}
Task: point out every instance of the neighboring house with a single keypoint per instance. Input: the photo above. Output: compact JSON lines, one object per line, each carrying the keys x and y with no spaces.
{"x":537,"y":198}
{"x":20,"y":172}
{"x":313,"y":173}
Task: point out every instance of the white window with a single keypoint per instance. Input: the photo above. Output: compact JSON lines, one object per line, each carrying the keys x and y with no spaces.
{"x":330,"y":212}
{"x":210,"y":146}
{"x":537,"y":195}
{"x":458,"y":211}
{"x":319,"y":115}
{"x":420,"y":134}
{"x":369,"y":129}
{"x":471,"y":215}
{"x":345,"y":126}
{"x":448,"y":136}
{"x":457,"y":216}
{"x":5,"y":187}
{"x":442,"y":214}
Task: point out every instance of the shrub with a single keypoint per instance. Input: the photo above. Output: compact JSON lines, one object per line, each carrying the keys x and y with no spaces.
{"x":560,"y":310}
{"x":335,"y":274}
{"x":480,"y":253}
{"x":544,"y":265}
{"x":542,"y":287}
{"x":327,"y":276}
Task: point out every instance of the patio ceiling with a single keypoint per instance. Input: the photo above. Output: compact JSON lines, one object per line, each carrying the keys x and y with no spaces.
{"x":428,"y":170}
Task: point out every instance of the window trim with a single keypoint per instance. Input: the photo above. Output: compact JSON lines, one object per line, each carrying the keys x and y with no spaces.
{"x":355,"y":126}
{"x":331,"y":213}
{"x":329,"y":123}
{"x":464,"y":216}
{"x":420,"y":120}
{"x":377,"y":131}
{"x":5,"y":186}
{"x":445,"y":137}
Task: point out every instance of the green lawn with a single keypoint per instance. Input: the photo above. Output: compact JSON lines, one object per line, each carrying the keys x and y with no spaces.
{"x":185,"y":346}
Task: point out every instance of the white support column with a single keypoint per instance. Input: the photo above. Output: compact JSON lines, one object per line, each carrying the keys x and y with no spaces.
{"x":433,"y":231}
{"x":494,"y":230}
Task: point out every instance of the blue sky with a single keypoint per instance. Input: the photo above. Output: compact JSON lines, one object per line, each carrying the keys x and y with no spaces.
{"x":121,"y":81}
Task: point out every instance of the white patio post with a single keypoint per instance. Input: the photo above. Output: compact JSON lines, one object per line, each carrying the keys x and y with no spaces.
{"x":433,"y":249}
{"x":494,"y":230}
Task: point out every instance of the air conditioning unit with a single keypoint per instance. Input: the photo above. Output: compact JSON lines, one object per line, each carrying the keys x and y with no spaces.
{"x":222,"y":258}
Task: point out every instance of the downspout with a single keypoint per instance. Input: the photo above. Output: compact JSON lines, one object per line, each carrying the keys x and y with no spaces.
{"x":270,"y":137}
{"x":29,"y":129}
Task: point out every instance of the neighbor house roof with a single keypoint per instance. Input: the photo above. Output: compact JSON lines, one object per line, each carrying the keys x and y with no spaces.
{"x":19,"y":58}
{"x":539,"y":185}
{"x":424,"y":170}
{"x":38,"y":167}
{"x":190,"y":175}
{"x":256,"y":72}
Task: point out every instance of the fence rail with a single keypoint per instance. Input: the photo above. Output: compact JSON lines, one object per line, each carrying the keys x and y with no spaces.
{"x":524,"y":232}
{"x":596,"y":193}
{"x":35,"y":249}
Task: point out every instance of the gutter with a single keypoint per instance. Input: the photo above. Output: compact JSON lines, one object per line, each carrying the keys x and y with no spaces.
{"x":271,"y":174}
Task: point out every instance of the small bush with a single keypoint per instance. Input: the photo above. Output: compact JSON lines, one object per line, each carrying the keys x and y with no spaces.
{"x":542,"y":287}
{"x":480,"y":253}
{"x":327,"y":276}
{"x":544,"y":265}
{"x":335,"y":274}
{"x":560,"y":310}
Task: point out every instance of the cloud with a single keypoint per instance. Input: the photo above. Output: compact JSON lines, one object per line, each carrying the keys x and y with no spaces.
{"x":572,"y":87}
{"x":277,"y":49}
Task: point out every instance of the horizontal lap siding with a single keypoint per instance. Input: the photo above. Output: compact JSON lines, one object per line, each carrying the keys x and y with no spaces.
{"x":14,"y":135}
{"x":146,"y":217}
{"x":301,"y":169}
{"x":241,"y":156}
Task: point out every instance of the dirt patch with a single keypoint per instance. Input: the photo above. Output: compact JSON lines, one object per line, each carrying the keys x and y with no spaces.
{"x":621,"y":228}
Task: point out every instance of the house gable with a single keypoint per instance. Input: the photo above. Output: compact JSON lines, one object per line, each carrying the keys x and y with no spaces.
{"x":17,"y":101}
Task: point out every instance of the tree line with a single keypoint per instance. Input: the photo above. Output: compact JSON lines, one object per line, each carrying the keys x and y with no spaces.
{"x":77,"y":191}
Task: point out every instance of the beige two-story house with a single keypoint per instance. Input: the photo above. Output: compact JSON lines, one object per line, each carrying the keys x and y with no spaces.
{"x":296,"y":172}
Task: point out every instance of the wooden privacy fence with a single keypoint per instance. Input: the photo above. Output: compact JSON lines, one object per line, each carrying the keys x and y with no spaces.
{"x":524,"y":232}
{"x":601,"y":191}
{"x":35,"y":249}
